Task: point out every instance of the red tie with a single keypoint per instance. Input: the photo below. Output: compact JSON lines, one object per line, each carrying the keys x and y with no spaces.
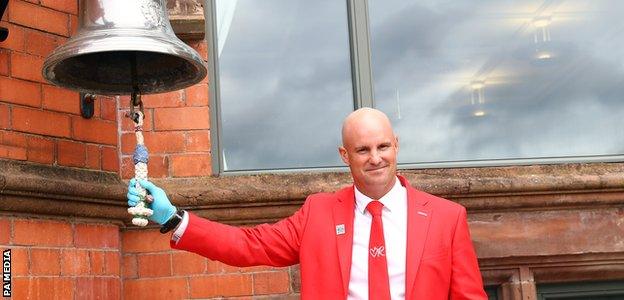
{"x":378,"y":282}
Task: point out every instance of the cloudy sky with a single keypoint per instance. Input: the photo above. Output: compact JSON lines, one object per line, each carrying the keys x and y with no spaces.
{"x":427,"y":54}
{"x":286,"y":85}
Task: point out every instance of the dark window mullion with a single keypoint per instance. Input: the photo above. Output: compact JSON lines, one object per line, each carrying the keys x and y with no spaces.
{"x":360,"y":53}
{"x":213,"y":86}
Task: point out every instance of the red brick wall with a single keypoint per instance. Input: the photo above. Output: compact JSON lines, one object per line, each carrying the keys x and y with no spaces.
{"x":151,"y":270}
{"x":57,"y":259}
{"x":40,"y":122}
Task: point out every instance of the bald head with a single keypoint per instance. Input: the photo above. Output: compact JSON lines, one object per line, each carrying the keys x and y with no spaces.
{"x":362,"y":120}
{"x":369,"y":148}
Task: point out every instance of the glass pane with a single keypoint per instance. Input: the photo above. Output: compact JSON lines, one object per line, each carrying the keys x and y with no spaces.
{"x":597,"y":290}
{"x":285,"y":82}
{"x":592,"y":297}
{"x":492,"y":292}
{"x":480,"y":80}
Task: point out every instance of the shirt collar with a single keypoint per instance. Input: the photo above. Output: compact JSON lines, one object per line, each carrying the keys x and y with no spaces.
{"x":389,"y":200}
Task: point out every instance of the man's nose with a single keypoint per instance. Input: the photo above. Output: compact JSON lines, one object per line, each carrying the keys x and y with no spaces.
{"x":375,"y":158}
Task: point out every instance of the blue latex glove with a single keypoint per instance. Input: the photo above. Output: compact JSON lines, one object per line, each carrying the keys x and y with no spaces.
{"x":162,"y":207}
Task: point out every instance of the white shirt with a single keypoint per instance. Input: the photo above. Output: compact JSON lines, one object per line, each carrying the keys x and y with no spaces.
{"x":394,"y":218}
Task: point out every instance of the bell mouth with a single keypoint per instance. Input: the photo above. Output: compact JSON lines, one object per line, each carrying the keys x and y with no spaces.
{"x":122,"y":72}
{"x":121,"y":65}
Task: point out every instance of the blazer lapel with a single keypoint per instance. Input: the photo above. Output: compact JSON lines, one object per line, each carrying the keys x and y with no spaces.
{"x":418,"y":220}
{"x":343,"y":214}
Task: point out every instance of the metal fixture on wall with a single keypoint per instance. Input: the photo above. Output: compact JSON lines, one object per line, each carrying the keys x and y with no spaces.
{"x":87,"y":105}
{"x":4,"y":32}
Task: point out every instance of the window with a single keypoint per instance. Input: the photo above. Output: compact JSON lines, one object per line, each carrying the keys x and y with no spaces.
{"x":465,"y":82}
{"x":284,"y":83}
{"x":609,"y":290}
{"x":492,"y":292}
{"x":486,"y":81}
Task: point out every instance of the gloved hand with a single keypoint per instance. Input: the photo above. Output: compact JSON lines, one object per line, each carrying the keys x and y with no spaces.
{"x":162,"y":207}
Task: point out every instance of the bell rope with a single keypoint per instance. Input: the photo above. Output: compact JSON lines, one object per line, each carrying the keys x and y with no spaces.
{"x":140,"y":211}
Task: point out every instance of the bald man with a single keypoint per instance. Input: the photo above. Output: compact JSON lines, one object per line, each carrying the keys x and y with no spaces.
{"x":377,"y":239}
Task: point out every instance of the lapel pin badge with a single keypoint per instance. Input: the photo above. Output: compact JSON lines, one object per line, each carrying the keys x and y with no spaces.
{"x":422,"y":213}
{"x":340,"y":229}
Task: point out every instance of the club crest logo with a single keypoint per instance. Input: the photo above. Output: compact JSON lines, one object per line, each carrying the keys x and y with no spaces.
{"x":377,"y":251}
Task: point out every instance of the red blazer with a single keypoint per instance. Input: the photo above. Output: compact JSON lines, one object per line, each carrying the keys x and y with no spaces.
{"x":441,"y":262}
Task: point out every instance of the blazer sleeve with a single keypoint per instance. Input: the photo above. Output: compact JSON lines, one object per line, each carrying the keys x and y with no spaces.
{"x":466,"y":282}
{"x":266,"y":244}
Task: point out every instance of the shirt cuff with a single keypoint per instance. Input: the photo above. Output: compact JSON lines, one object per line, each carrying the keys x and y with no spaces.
{"x":177,"y":234}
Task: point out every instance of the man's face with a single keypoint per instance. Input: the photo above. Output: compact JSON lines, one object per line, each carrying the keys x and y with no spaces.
{"x":370,"y":150}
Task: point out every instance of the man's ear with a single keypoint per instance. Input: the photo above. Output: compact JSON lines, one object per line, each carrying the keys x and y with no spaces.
{"x":343,"y":155}
{"x":396,"y":142}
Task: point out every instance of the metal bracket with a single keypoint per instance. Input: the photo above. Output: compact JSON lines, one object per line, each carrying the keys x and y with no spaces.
{"x":4,"y":32}
{"x":135,"y":101}
{"x":87,"y":105}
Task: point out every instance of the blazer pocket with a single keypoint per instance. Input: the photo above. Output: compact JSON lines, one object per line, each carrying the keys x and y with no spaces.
{"x":436,"y":254}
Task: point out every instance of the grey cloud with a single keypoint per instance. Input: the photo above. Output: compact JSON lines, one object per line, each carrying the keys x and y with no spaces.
{"x":283,"y":107}
{"x":570,"y":106}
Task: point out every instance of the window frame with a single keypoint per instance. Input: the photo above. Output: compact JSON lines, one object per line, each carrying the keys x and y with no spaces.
{"x":363,"y":96}
{"x":579,"y":289}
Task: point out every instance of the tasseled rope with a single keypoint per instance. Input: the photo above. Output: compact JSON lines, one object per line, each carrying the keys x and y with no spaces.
{"x":140,"y":157}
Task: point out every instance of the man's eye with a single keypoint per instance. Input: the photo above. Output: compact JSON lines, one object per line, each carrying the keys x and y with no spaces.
{"x":361,"y":151}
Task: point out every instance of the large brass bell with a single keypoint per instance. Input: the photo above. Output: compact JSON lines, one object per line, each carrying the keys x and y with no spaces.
{"x":124,"y":47}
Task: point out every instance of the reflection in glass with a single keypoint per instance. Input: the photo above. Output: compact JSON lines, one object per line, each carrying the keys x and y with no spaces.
{"x":285,"y":82}
{"x":483,"y":80}
{"x":541,"y":38}
{"x":477,"y":99}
